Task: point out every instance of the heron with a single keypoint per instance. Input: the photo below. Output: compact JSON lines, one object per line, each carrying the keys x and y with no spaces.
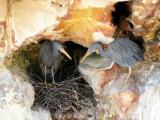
{"x":121,"y":51}
{"x":50,"y":57}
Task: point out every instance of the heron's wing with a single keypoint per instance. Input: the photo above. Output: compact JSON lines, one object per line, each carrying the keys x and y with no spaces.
{"x":134,"y":50}
{"x":125,"y":51}
{"x":45,"y":54}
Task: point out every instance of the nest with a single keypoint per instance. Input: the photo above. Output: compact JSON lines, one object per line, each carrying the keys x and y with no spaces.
{"x":70,"y":96}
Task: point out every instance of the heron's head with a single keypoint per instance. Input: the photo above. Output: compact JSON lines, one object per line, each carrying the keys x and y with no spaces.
{"x":59,"y":46}
{"x":95,"y":47}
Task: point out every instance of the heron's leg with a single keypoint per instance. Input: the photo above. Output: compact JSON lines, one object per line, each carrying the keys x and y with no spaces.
{"x":53,"y":81}
{"x":129,"y":73}
{"x":45,"y":76}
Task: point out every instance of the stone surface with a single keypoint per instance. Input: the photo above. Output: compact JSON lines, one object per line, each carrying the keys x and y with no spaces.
{"x":145,"y":17}
{"x":148,"y":105}
{"x":120,"y":100}
{"x":2,"y":27}
{"x":17,"y":97}
{"x":31,"y":17}
{"x":83,"y":21}
{"x":41,"y":114}
{"x":28,"y":21}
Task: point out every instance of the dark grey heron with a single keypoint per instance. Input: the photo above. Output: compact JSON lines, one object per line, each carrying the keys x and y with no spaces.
{"x":122,"y":51}
{"x":50,"y":57}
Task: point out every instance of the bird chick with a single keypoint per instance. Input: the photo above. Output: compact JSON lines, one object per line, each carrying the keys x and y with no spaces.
{"x":122,"y":51}
{"x":50,"y":57}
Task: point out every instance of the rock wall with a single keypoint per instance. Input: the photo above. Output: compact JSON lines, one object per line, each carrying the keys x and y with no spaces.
{"x":23,"y":22}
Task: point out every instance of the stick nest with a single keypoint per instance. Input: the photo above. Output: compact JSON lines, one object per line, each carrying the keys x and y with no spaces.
{"x":70,"y":96}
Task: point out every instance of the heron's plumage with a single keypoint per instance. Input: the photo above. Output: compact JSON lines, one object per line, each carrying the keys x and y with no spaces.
{"x":125,"y":52}
{"x":49,"y":56}
{"x":122,"y":51}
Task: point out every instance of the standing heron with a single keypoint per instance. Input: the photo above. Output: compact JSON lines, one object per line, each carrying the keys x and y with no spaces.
{"x":122,"y":51}
{"x":50,"y":57}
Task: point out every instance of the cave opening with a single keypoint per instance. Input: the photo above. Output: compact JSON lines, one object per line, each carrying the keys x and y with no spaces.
{"x":76,"y":52}
{"x":68,"y":68}
{"x":120,"y":18}
{"x":74,"y":95}
{"x":27,"y":59}
{"x":122,"y":11}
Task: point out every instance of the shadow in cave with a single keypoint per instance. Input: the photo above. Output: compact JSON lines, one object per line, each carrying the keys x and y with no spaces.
{"x":73,"y":95}
{"x":120,"y":18}
{"x":122,"y":11}
{"x":68,"y":68}
{"x":124,"y":26}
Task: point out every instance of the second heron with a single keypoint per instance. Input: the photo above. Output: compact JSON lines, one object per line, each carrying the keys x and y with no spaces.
{"x":122,"y":51}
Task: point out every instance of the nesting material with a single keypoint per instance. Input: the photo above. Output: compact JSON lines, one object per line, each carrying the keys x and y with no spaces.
{"x":71,"y":96}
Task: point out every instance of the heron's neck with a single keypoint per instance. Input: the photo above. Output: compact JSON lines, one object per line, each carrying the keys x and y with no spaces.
{"x":102,"y":51}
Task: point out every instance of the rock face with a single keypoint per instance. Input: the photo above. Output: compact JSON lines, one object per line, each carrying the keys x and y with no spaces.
{"x":148,"y":103}
{"x":17,"y":97}
{"x":121,"y":100}
{"x":23,"y":22}
{"x":145,"y":14}
{"x":2,"y":27}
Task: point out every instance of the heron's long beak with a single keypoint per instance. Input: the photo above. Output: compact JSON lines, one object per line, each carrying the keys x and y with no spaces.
{"x":84,"y":57}
{"x":64,"y":52}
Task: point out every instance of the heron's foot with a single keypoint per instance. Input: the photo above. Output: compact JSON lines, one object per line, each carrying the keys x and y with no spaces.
{"x":55,"y":84}
{"x":46,"y":84}
{"x":126,"y":81}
